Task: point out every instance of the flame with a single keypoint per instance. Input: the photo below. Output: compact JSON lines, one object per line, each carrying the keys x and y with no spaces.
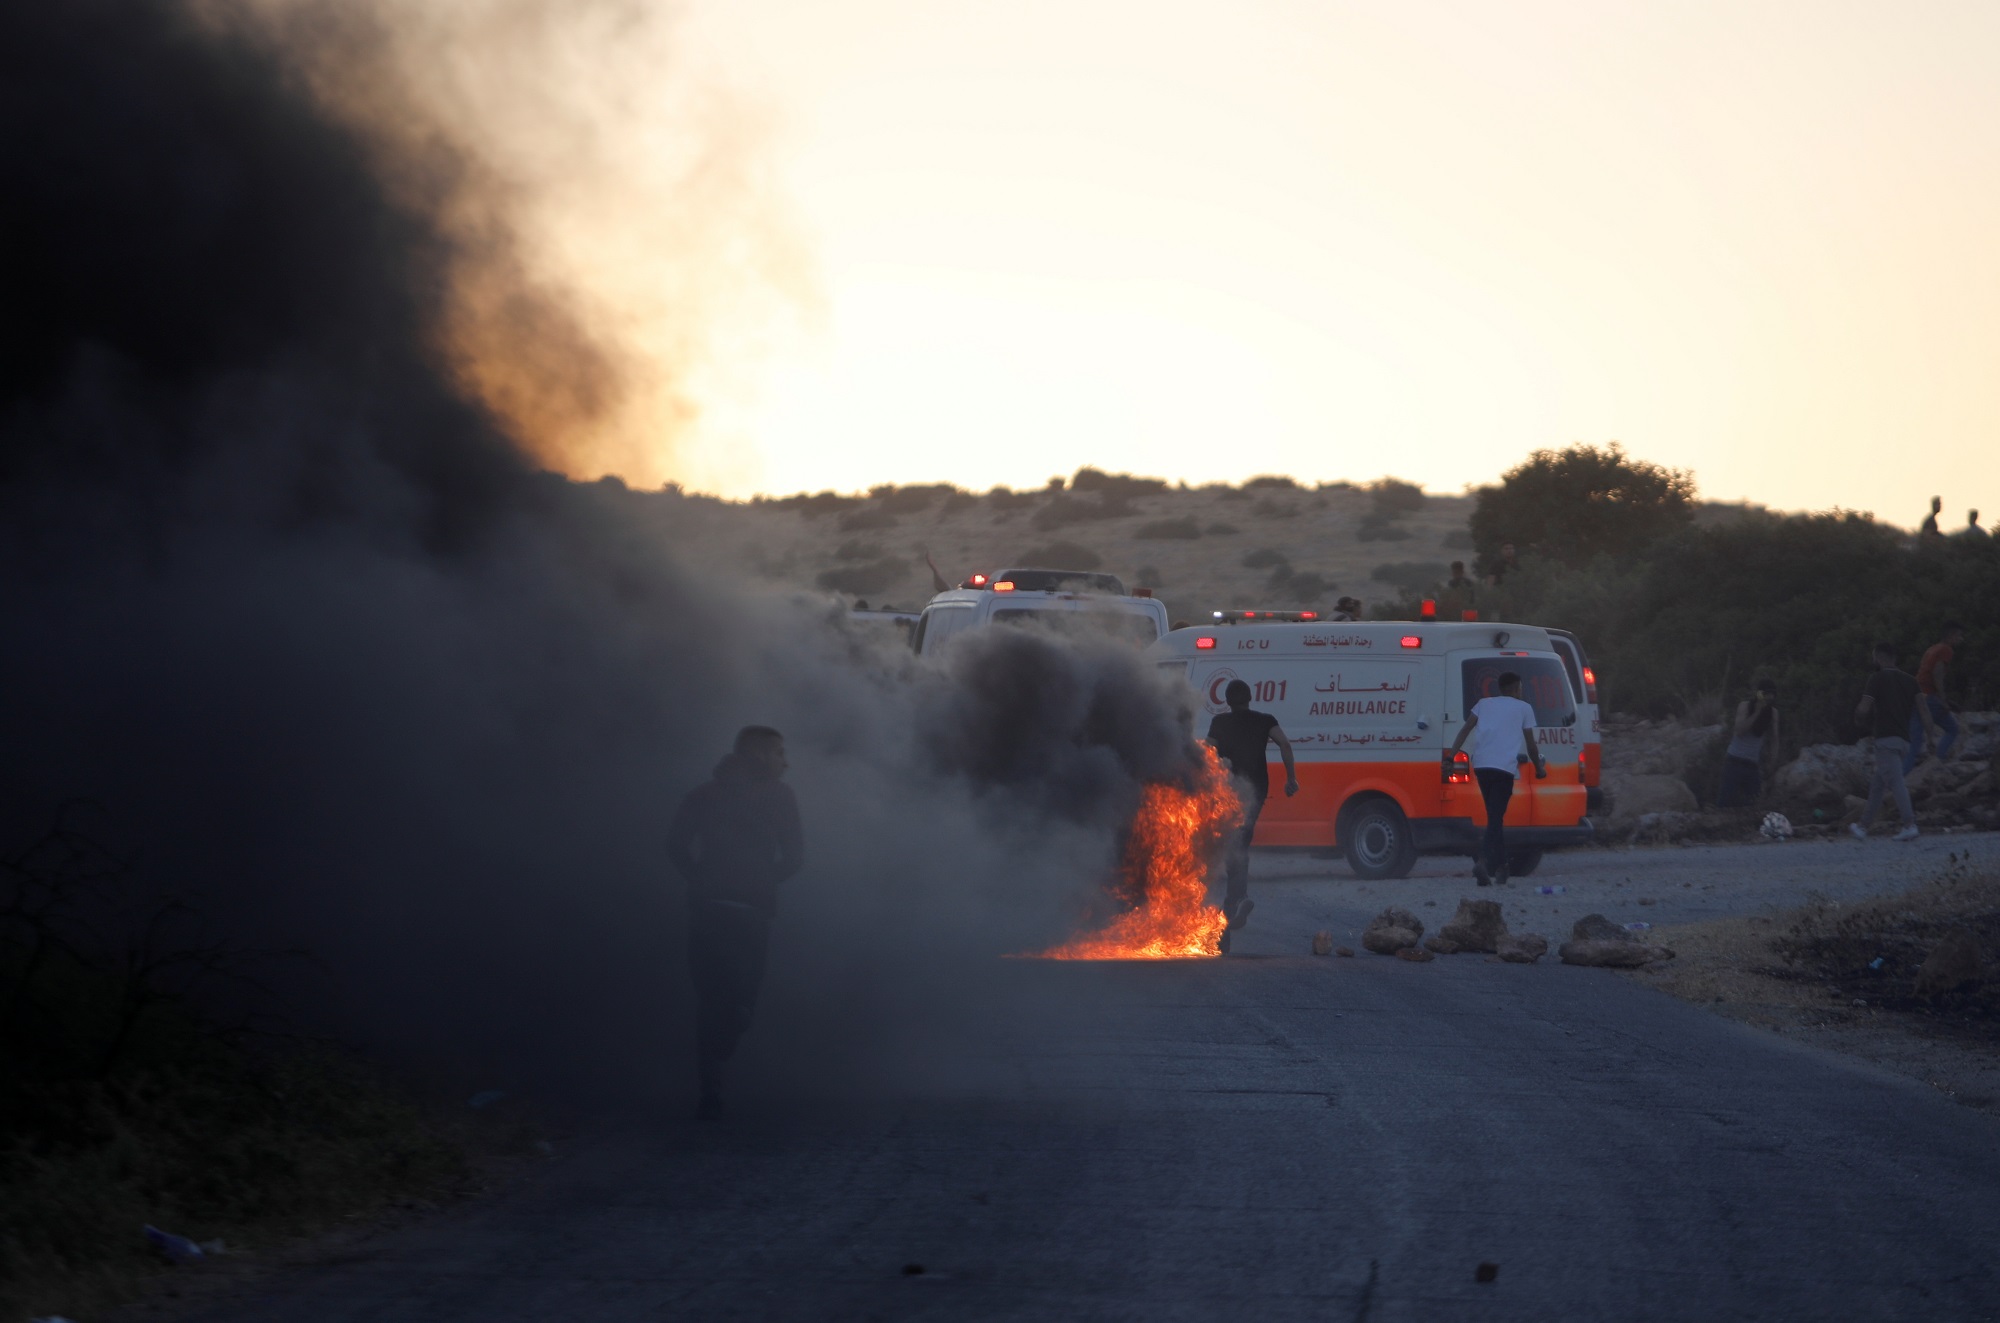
{"x":1173,"y":838}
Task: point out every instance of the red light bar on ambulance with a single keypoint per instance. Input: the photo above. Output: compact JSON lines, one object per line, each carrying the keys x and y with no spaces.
{"x":1271,"y":617}
{"x":976,"y":581}
{"x":1412,"y":641}
{"x":1429,"y":610}
{"x":1204,"y":641}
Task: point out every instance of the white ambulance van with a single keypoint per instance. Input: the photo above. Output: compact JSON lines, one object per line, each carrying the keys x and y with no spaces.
{"x":1370,"y":708}
{"x":1070,"y":601}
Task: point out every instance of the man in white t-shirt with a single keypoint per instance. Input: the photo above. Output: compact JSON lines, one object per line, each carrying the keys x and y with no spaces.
{"x":1505,"y":725}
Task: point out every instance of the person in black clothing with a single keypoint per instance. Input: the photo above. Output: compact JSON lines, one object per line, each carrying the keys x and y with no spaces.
{"x":734,"y":839}
{"x":1239,"y":737}
{"x":1888,"y":707}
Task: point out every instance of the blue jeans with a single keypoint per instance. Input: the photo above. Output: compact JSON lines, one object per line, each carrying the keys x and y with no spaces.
{"x":1946,"y":722}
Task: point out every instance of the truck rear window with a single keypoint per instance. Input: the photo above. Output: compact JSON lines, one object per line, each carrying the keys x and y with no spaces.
{"x":1543,"y":685}
{"x":1127,"y":625}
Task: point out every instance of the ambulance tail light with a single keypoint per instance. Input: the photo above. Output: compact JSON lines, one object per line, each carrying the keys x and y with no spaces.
{"x":1204,"y":641}
{"x":1412,"y":641}
{"x":1458,"y":772}
{"x":1429,"y":609}
{"x":1591,"y":765}
{"x":1004,"y":586}
{"x":1470,"y":613}
{"x":1589,"y":684}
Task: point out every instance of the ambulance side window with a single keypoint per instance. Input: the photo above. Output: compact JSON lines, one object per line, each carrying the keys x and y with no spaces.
{"x":1567,"y":651}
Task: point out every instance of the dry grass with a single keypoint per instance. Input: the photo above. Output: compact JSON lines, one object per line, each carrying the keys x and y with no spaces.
{"x":1324,"y":542}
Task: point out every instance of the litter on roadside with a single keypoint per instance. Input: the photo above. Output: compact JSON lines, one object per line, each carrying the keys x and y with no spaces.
{"x":1638,"y":927}
{"x":175,"y":1249}
{"x":1557,"y":890}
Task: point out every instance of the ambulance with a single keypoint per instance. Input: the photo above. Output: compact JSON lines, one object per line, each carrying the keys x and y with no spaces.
{"x":1370,"y":708}
{"x":1068,"y":601}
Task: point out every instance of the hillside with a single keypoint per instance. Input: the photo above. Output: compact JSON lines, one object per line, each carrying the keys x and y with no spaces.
{"x":1267,"y":543}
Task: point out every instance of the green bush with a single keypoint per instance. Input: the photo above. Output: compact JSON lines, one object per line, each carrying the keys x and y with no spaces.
{"x":1183,"y":529}
{"x":1115,"y":486}
{"x":1059,"y":556}
{"x":1571,"y":505}
{"x":1390,"y":497}
{"x":872,"y":576}
{"x":1412,"y":576}
{"x":1700,"y":614}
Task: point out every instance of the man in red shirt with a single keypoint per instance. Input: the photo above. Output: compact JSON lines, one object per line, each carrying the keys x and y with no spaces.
{"x":1930,"y":689}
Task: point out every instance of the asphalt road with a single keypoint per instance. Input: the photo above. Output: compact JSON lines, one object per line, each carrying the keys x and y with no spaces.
{"x":1274,"y":1136}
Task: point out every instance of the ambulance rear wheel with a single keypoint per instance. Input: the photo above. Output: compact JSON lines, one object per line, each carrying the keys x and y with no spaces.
{"x":1377,"y":839}
{"x":1524,"y":860}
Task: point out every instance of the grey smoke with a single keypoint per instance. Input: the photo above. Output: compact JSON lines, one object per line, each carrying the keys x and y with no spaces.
{"x":335,"y":659}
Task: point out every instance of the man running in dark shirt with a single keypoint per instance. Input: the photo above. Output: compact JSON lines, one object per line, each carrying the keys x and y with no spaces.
{"x":735,"y":838}
{"x":1888,"y":706}
{"x":1239,"y":737}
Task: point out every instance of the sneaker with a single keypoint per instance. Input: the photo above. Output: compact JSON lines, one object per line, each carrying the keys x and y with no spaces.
{"x":1243,"y":913}
{"x":1908,"y":833}
{"x":1479,"y":871}
{"x":1857,"y":831}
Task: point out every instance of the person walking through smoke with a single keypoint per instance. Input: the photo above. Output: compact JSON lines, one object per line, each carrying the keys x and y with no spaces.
{"x":1239,"y":737}
{"x":735,"y":838}
{"x":1887,"y":708}
{"x":1505,"y":724}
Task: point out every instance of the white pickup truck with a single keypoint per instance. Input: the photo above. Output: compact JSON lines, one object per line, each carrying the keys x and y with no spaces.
{"x":1067,"y":600}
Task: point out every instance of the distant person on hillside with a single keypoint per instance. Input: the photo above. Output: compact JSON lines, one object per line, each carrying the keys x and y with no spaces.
{"x":1239,"y":738}
{"x":1931,"y":674}
{"x":734,"y":839}
{"x":1929,"y":528}
{"x":1885,"y":711}
{"x":1461,"y":594}
{"x":1503,"y":565}
{"x":1505,"y":724}
{"x":1347,"y":608}
{"x":1972,"y":528}
{"x":1459,"y":580}
{"x":1753,"y":738}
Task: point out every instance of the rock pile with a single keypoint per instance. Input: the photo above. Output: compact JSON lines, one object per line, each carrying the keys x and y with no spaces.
{"x":1394,"y":929}
{"x":1476,"y":927}
{"x":1954,"y":963}
{"x":1595,"y":940}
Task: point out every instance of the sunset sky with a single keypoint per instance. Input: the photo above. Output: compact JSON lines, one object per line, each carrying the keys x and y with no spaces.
{"x":1340,"y":240}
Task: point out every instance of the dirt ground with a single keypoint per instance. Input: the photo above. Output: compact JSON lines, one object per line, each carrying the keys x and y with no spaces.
{"x":1841,"y":977}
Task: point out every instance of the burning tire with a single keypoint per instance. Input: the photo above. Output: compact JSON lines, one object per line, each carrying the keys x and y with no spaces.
{"x":1377,"y":839}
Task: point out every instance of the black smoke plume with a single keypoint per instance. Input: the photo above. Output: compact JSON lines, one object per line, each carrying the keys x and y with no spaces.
{"x":338,"y":662}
